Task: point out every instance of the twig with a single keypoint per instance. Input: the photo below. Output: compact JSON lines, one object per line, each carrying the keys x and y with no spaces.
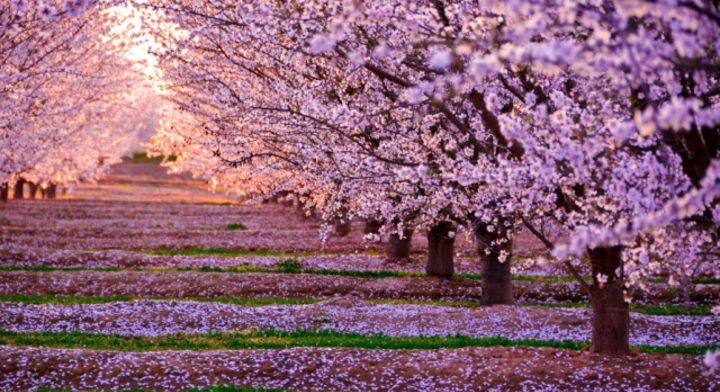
{"x":550,"y":246}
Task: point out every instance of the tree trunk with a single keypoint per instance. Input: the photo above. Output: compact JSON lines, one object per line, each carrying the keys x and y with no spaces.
{"x":342,"y":226}
{"x":300,"y":205}
{"x":399,"y":249}
{"x":497,"y":286}
{"x":51,"y":191}
{"x":4,"y":192}
{"x":272,"y":199}
{"x":287,"y":202}
{"x":33,"y":189}
{"x":440,"y":251}
{"x":372,"y":226}
{"x":19,"y":187}
{"x":611,"y":318}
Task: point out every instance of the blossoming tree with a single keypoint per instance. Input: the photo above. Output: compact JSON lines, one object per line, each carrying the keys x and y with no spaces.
{"x":599,"y":115}
{"x":69,"y":109}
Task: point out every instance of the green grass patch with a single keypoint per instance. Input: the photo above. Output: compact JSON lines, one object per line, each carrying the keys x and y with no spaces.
{"x":142,"y":157}
{"x":655,"y":310}
{"x":652,"y":310}
{"x":291,"y":265}
{"x":282,"y":268}
{"x":273,"y":339}
{"x":235,"y":226}
{"x":269,"y":339}
{"x":695,"y":281}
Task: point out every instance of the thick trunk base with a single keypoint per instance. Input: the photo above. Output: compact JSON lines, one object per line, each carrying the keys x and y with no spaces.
{"x":497,"y":288}
{"x":51,"y":191}
{"x":399,"y":249}
{"x":611,"y":321}
{"x":19,"y":188}
{"x":440,"y":251}
{"x":4,"y":192}
{"x":342,"y":226}
{"x":33,"y":189}
{"x":611,"y":317}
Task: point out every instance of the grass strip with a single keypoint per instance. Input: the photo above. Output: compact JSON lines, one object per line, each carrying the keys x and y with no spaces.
{"x":358,"y":274}
{"x":273,"y":339}
{"x":654,"y":310}
{"x":253,"y":269}
{"x":141,"y":157}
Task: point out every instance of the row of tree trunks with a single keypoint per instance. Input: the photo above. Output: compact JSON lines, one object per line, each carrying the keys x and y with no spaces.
{"x":271,"y":199}
{"x":18,"y":192}
{"x":496,"y":275}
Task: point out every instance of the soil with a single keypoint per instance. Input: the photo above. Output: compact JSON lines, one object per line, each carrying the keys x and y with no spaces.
{"x":140,"y":208}
{"x":344,"y":369}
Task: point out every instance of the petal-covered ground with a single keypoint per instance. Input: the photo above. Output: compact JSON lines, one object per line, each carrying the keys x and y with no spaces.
{"x":254,"y":285}
{"x":115,"y":223}
{"x":347,"y":314}
{"x":347,"y":369}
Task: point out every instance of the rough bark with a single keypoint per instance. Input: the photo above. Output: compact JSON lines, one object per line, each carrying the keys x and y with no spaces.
{"x":4,"y":192}
{"x":497,"y":286}
{"x":342,"y":226}
{"x":33,"y":189}
{"x":397,"y":248}
{"x":440,"y":251}
{"x":51,"y":191}
{"x":19,"y":187}
{"x":611,"y":317}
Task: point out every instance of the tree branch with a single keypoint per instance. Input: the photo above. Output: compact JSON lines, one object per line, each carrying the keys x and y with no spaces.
{"x":550,"y":246}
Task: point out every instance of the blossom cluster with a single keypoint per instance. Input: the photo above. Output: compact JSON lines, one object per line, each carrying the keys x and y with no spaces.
{"x":71,"y":101}
{"x":600,"y":115}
